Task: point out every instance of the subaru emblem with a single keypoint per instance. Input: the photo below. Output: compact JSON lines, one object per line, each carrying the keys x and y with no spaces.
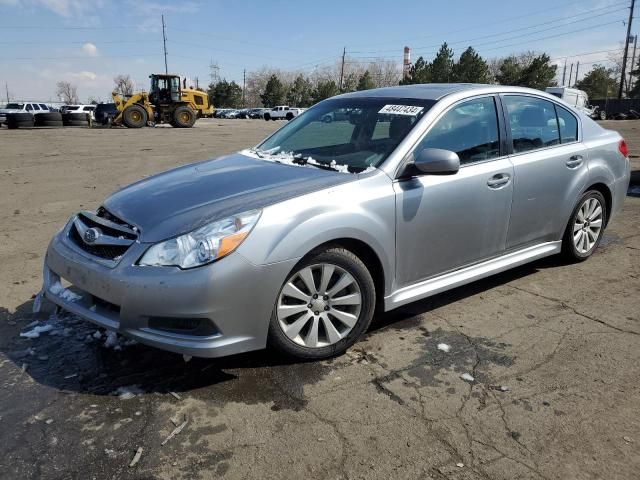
{"x":91,"y":235}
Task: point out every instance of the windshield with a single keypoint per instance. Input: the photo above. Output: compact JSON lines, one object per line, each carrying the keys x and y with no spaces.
{"x":14,"y":106}
{"x":352,"y":133}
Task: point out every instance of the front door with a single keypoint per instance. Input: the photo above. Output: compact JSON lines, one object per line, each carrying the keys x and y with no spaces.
{"x":449,"y":221}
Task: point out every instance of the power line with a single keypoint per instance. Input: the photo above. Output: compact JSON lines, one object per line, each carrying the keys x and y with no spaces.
{"x":498,"y":21}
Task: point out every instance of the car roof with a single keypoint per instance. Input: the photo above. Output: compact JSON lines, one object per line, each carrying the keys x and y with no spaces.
{"x":435,"y":91}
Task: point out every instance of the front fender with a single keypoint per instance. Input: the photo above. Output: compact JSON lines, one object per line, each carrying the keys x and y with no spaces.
{"x":363,"y":210}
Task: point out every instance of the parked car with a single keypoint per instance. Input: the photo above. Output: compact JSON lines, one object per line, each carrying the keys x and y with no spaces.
{"x":255,"y":113}
{"x":88,"y":109}
{"x":19,"y":107}
{"x":578,"y":99}
{"x":282,"y":112}
{"x":105,"y":113}
{"x":296,"y":242}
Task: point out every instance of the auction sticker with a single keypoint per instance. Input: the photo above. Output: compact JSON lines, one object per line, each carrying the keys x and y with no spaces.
{"x":410,"y":110}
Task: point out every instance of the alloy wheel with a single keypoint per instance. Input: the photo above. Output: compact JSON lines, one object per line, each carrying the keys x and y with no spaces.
{"x":587,"y":226}
{"x":319,"y":305}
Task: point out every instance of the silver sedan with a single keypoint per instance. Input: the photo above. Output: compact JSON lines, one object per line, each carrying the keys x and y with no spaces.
{"x":297,"y":242}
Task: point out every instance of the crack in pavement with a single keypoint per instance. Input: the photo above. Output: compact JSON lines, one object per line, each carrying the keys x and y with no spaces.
{"x":574,"y":310}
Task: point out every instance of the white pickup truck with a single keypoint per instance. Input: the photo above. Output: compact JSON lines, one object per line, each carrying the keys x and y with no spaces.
{"x":32,"y":108}
{"x":578,"y":99}
{"x":282,"y":112}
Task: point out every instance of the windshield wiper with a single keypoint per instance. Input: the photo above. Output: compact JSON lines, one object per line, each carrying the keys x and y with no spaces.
{"x":300,"y":160}
{"x":258,"y":152}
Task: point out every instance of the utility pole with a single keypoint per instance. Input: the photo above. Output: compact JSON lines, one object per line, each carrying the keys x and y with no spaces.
{"x":244,"y":85}
{"x":344,"y":52}
{"x":633,"y":62}
{"x":570,"y":74}
{"x":6,"y":87}
{"x":164,"y":43}
{"x":564,"y":72}
{"x":577,"y":69}
{"x":626,"y":49}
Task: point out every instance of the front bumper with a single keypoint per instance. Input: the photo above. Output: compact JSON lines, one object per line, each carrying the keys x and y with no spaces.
{"x":235,"y":295}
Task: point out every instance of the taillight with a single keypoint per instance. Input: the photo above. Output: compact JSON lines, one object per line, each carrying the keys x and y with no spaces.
{"x":623,"y":149}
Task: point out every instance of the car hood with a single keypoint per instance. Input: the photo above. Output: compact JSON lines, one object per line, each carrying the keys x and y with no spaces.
{"x":183,"y":199}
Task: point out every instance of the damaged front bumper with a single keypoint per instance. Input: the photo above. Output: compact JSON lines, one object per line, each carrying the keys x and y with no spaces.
{"x":212,"y":311}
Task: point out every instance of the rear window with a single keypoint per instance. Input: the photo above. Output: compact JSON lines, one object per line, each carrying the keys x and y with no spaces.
{"x":15,"y":106}
{"x":73,"y":107}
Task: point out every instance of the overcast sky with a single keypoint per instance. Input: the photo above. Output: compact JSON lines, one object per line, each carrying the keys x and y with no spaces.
{"x":89,"y":42}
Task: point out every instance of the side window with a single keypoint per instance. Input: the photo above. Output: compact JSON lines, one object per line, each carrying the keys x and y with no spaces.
{"x":198,"y":100}
{"x":29,"y":107}
{"x":36,"y":107}
{"x":568,"y":125}
{"x":470,"y":129}
{"x":43,"y":106}
{"x":533,"y":123}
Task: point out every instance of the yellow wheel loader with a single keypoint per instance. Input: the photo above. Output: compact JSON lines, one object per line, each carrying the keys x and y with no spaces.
{"x":168,"y":101}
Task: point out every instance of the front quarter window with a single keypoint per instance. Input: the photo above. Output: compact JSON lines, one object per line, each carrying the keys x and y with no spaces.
{"x":347,"y":134}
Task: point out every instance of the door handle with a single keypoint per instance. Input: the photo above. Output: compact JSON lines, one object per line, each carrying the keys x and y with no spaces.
{"x":575,"y":161}
{"x":499,"y":180}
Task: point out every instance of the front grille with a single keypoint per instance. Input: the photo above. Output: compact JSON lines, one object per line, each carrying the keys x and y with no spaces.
{"x":108,"y":237}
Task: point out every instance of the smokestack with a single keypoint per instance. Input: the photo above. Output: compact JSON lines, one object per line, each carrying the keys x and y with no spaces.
{"x":406,"y":64}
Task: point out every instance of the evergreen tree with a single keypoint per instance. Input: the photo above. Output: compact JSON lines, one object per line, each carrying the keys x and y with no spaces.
{"x":301,"y":93}
{"x":366,"y":82}
{"x":471,"y":68}
{"x":442,"y":65}
{"x":420,"y":72}
{"x":325,"y":89}
{"x":599,"y":83}
{"x":225,"y":94}
{"x":539,"y":74}
{"x":510,"y":72}
{"x":274,"y":92}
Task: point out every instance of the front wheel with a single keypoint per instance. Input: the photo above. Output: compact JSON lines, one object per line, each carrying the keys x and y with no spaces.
{"x":134,"y":116}
{"x":585,"y":227}
{"x":324,"y":306}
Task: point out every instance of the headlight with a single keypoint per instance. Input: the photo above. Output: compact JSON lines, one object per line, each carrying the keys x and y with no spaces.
{"x":203,"y":245}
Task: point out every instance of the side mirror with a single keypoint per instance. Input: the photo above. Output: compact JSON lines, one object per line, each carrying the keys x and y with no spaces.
{"x":435,"y":161}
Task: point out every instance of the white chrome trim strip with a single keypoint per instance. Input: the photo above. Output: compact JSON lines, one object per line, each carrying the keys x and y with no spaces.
{"x":470,"y":274}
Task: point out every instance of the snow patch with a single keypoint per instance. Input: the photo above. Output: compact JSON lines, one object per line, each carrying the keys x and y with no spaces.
{"x":127,"y":393}
{"x":289,"y":158}
{"x":467,"y":377}
{"x":444,"y":347}
{"x":64,"y":293}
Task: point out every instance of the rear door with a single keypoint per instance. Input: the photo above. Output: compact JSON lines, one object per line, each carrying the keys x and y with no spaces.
{"x":445,"y":222}
{"x":550,"y":168}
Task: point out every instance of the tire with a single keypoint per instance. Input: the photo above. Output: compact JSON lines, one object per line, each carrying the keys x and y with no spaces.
{"x":53,"y":119}
{"x":327,"y":119}
{"x":135,"y":116}
{"x":267,"y":117}
{"x":75,"y":120}
{"x":602,"y":115}
{"x":578,"y":244}
{"x":183,"y":117}
{"x":289,"y":116}
{"x":19,"y":120}
{"x":300,"y":317}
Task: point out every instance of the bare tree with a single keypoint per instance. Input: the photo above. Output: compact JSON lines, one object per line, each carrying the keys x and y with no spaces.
{"x":67,"y":92}
{"x":123,"y":85}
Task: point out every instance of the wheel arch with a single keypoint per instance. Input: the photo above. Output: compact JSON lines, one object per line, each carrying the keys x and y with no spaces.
{"x":604,"y":189}
{"x":365,"y":253}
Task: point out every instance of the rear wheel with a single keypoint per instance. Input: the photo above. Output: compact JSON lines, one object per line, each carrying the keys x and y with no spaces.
{"x":289,"y":116}
{"x":267,"y":117}
{"x":183,"y":117}
{"x":602,"y":114}
{"x":135,"y":116}
{"x":586,"y":227}
{"x":324,"y":306}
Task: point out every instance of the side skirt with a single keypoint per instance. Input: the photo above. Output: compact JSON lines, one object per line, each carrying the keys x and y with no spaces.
{"x":433,"y":286}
